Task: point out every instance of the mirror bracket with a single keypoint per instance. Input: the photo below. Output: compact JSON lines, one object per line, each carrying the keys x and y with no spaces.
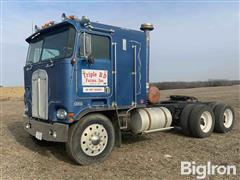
{"x":87,"y":47}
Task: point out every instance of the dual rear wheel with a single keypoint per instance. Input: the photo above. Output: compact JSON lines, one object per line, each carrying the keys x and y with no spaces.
{"x":224,"y":115}
{"x":200,"y":120}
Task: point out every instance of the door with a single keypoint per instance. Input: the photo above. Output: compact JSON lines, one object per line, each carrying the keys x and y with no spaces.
{"x":95,"y":68}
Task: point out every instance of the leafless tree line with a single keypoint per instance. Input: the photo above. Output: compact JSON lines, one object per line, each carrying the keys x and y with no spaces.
{"x":195,"y":84}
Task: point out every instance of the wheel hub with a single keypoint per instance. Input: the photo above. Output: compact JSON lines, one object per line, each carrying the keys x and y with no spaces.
{"x":203,"y":122}
{"x":206,"y":122}
{"x":228,"y":118}
{"x":94,"y":139}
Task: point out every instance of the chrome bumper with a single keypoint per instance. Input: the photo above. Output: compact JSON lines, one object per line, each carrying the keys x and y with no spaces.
{"x":50,"y":132}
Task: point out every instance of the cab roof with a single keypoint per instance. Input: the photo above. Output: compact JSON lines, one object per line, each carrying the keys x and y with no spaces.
{"x":77,"y":25}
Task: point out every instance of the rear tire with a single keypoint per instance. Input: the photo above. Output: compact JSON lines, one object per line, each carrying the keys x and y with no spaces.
{"x":224,"y":118}
{"x":212,"y":105}
{"x":184,"y":119}
{"x":201,"y":122}
{"x":91,"y":140}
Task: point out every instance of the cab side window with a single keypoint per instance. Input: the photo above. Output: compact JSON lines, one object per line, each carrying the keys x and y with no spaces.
{"x":96,"y":45}
{"x":100,"y":47}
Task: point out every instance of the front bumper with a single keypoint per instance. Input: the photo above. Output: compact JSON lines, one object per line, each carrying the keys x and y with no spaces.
{"x":50,"y":132}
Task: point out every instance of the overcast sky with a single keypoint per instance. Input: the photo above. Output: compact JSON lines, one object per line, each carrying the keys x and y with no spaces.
{"x":192,"y":40}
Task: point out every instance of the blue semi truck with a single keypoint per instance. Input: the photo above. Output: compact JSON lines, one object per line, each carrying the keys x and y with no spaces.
{"x":86,"y":83}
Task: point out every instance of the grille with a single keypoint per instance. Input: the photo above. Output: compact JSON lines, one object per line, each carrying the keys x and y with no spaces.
{"x":40,"y":94}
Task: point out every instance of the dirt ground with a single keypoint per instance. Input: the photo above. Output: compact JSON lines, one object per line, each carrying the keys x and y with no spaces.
{"x":152,"y":156}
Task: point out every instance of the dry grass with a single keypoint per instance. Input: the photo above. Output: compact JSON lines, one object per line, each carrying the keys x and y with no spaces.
{"x":152,"y":156}
{"x":7,"y":93}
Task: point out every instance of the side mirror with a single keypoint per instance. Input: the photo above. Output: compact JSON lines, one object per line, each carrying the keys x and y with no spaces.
{"x":86,"y":48}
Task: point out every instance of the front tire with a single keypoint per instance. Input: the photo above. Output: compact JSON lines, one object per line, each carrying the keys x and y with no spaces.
{"x":91,"y":140}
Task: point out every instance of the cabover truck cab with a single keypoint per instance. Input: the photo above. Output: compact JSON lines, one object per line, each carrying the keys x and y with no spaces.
{"x":86,"y":83}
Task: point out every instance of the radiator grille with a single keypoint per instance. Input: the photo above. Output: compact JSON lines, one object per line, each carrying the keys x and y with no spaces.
{"x":40,"y":94}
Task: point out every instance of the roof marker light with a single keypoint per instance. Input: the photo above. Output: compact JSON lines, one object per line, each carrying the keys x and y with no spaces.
{"x":72,"y":17}
{"x":50,"y":23}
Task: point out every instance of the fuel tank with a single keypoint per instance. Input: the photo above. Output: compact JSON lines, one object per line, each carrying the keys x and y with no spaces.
{"x":146,"y":119}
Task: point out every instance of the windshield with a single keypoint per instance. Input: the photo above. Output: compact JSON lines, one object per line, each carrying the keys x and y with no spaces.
{"x":53,"y":46}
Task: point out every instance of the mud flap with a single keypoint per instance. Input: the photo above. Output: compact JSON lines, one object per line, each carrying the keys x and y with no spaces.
{"x":118,"y":134}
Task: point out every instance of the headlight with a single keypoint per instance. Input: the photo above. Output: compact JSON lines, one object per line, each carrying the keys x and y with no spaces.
{"x":61,"y":114}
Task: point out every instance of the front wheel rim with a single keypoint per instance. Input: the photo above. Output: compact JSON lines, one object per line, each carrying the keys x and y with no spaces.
{"x":206,"y":121}
{"x":227,"y":118}
{"x":94,"y":139}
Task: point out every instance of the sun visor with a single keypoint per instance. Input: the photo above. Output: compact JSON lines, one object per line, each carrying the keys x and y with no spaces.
{"x":50,"y":29}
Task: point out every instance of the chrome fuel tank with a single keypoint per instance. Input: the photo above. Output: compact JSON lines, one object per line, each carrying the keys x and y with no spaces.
{"x":146,"y":119}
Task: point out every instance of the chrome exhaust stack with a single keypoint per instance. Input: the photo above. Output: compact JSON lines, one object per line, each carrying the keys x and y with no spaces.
{"x":147,"y":27}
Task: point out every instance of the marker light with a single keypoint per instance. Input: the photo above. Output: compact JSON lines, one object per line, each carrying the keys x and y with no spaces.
{"x":70,"y":114}
{"x":50,"y":23}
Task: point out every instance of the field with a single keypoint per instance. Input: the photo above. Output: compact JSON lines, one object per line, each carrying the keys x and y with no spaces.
{"x":152,"y":156}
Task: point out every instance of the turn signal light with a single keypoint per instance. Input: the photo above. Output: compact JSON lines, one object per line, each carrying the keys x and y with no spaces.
{"x":72,"y":17}
{"x":70,"y":114}
{"x":70,"y":120}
